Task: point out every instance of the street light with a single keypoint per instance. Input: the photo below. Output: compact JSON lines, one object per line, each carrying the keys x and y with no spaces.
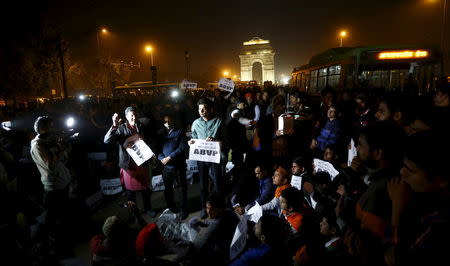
{"x":226,"y":73}
{"x":149,"y":50}
{"x":342,"y":35}
{"x":104,"y":31}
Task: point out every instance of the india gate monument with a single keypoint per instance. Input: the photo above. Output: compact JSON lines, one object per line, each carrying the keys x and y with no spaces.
{"x":257,"y":61}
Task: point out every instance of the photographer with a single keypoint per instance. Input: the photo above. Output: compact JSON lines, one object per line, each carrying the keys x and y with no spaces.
{"x":50,"y":153}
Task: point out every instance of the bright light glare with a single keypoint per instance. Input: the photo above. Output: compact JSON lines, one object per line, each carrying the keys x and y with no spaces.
{"x":285,"y":80}
{"x":81,"y":97}
{"x":174,"y":94}
{"x":6,"y":125}
{"x":226,"y":73}
{"x":343,"y":33}
{"x":70,"y":122}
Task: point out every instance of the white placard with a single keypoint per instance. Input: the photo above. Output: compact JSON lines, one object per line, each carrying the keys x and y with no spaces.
{"x":323,"y":166}
{"x":226,"y":84}
{"x":157,"y":183}
{"x":205,"y":151}
{"x":296,"y":181}
{"x":137,"y":149}
{"x":110,"y":186}
{"x":191,"y":169}
{"x":239,"y":239}
{"x":186,"y":84}
{"x":255,"y":212}
{"x":351,"y":152}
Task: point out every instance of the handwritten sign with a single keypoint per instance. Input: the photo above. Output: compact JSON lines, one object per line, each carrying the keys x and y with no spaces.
{"x":158,"y":183}
{"x":205,"y":151}
{"x":110,"y":186}
{"x":296,"y":181}
{"x":226,"y":84}
{"x":239,"y":239}
{"x":137,"y":149}
{"x":323,"y":166}
{"x":255,"y":212}
{"x":351,"y":152}
{"x":185,"y":84}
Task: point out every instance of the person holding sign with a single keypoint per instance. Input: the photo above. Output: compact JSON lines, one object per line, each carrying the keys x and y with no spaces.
{"x":135,"y":178}
{"x":209,"y":128}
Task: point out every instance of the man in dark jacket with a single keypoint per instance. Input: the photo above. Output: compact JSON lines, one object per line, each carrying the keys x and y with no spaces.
{"x":134,"y":178}
{"x":172,"y":156}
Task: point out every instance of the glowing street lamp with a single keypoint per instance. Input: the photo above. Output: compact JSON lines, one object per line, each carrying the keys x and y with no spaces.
{"x":226,"y":73}
{"x":343,"y":34}
{"x":149,"y":50}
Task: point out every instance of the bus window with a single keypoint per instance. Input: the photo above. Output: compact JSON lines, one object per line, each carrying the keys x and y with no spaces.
{"x":313,"y":83}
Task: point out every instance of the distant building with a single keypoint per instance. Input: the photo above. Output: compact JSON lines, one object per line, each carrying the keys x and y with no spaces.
{"x":257,"y":61}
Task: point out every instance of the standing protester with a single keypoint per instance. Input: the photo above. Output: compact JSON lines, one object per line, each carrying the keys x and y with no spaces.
{"x":134,"y":178}
{"x":50,"y":153}
{"x":209,"y":128}
{"x":174,"y":144}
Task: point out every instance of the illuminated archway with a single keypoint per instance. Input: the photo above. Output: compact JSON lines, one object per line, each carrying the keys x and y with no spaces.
{"x":259,"y":51}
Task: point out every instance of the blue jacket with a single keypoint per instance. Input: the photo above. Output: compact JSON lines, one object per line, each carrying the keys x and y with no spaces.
{"x":266,"y":190}
{"x":254,"y":256}
{"x":174,"y":144}
{"x":331,"y":133}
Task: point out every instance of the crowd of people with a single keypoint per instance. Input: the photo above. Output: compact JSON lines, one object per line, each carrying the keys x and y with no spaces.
{"x":388,"y":204}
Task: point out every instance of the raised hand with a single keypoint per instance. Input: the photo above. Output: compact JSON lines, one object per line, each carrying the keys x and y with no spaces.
{"x":116,"y":120}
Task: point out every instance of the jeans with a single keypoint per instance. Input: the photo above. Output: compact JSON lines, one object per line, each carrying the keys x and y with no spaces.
{"x":216,"y":176}
{"x":169,"y":175}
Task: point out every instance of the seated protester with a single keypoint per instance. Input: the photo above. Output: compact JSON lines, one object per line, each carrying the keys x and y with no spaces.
{"x":333,"y":155}
{"x":330,"y":133}
{"x":379,"y":152}
{"x":322,"y":197}
{"x":271,"y":233}
{"x":149,"y":245}
{"x":421,"y":203}
{"x":293,"y":207}
{"x":335,"y":250}
{"x":363,"y":111}
{"x":422,"y":121}
{"x":266,"y":188}
{"x":301,"y":166}
{"x":281,"y":179}
{"x":113,"y":247}
{"x":212,"y":244}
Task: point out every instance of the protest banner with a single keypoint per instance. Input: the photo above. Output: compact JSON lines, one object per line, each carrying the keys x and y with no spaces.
{"x":186,"y":84}
{"x":239,"y":239}
{"x":255,"y":212}
{"x":323,"y":166}
{"x":110,"y":186}
{"x":158,"y":183}
{"x":351,"y":152}
{"x":296,"y":181}
{"x":191,"y":169}
{"x":205,"y":151}
{"x":226,"y":85}
{"x":137,"y":149}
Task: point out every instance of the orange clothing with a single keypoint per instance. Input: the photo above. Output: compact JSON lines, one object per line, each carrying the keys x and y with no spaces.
{"x":280,"y":189}
{"x":295,"y":219}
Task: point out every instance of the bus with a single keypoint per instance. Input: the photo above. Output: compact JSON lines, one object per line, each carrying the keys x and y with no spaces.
{"x":145,"y":88}
{"x":394,"y":67}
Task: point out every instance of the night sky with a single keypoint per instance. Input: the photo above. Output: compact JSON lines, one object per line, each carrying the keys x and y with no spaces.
{"x":213,"y":31}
